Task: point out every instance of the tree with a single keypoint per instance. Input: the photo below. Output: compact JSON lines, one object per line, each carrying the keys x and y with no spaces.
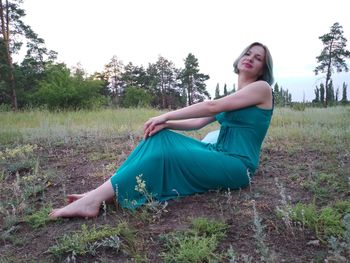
{"x":322,"y":91}
{"x":134,"y":76}
{"x":333,"y":54}
{"x":330,"y":92}
{"x":60,"y":89}
{"x":225,"y":90}
{"x":233,"y":88}
{"x":277,"y":94}
{"x":136,"y":97}
{"x":13,"y":31}
{"x":113,"y":74}
{"x":317,"y":95}
{"x":336,"y":95}
{"x":217,"y":91}
{"x":344,"y":99}
{"x":193,"y":81}
{"x":162,"y":78}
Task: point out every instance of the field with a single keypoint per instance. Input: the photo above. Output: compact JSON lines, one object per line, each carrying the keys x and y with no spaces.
{"x":297,"y":208}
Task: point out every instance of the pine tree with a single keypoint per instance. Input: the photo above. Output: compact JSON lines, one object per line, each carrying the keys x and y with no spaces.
{"x":333,"y":54}
{"x":322,"y":92}
{"x":217,"y":91}
{"x":344,"y":97}
{"x":317,"y":94}
{"x":336,"y":95}
{"x":193,"y":81}
{"x":330,"y":92}
{"x":225,"y":90}
{"x":233,"y":88}
{"x":13,"y":32}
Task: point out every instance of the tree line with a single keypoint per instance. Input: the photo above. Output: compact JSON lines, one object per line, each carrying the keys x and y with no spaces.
{"x":39,"y":81}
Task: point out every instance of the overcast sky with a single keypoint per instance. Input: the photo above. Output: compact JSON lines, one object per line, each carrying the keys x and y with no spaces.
{"x":90,"y":32}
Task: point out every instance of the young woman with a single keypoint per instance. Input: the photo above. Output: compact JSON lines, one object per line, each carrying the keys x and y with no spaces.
{"x":171,"y":164}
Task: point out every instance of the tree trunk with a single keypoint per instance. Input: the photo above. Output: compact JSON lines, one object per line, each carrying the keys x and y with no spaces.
{"x":6,"y":38}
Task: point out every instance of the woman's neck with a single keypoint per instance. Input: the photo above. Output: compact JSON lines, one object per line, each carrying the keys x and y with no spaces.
{"x":244,"y":81}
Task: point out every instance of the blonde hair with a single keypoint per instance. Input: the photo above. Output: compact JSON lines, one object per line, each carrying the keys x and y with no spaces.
{"x":268,"y":67}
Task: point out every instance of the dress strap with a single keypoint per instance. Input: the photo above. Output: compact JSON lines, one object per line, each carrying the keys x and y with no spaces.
{"x":273,"y":100}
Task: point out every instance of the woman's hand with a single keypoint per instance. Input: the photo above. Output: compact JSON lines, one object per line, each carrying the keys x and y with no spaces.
{"x":155,"y":129}
{"x":154,"y":125}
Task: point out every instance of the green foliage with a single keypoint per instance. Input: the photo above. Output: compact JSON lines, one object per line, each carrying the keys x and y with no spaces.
{"x":39,"y":218}
{"x":136,"y":97}
{"x":197,"y":244}
{"x":84,"y":241}
{"x":193,"y":81}
{"x":185,"y":248}
{"x":322,"y":185}
{"x":60,"y":90}
{"x":332,"y":57}
{"x":282,"y":97}
{"x":325,"y":222}
{"x":205,"y":227}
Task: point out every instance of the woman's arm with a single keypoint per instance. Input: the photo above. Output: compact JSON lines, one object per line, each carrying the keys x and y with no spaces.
{"x":256,"y":93}
{"x":190,"y":124}
{"x":183,"y":125}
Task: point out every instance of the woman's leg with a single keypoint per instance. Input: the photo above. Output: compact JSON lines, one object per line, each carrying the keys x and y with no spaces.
{"x":74,"y":197}
{"x":87,"y":205}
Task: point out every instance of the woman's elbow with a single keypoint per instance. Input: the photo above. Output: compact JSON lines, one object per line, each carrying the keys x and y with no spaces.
{"x":212,"y":107}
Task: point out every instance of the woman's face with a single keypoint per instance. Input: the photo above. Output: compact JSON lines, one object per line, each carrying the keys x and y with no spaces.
{"x":252,"y":62}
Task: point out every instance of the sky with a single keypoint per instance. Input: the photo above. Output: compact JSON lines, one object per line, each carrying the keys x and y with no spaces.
{"x":91,"y":32}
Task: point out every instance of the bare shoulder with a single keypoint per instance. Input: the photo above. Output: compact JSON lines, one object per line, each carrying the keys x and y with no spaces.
{"x":261,"y":85}
{"x":264,"y":89}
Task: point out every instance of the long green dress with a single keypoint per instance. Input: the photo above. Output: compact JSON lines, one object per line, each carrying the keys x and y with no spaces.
{"x":171,"y":164}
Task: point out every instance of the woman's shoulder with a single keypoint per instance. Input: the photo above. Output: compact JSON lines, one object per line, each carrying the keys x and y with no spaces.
{"x":262,"y":84}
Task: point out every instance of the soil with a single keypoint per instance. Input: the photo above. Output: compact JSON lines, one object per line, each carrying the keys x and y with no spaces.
{"x":80,"y":167}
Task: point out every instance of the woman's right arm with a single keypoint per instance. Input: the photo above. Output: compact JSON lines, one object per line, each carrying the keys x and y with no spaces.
{"x":183,"y":125}
{"x":189,"y":124}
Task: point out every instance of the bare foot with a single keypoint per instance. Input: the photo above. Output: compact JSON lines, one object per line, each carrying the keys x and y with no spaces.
{"x":74,"y":197}
{"x":84,"y":206}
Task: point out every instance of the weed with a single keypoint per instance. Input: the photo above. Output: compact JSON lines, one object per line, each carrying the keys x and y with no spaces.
{"x":197,"y":244}
{"x":340,"y":249}
{"x":285,"y":209}
{"x":39,"y":218}
{"x":232,"y":257}
{"x":260,"y":236}
{"x":326,"y":222}
{"x":88,"y":241}
{"x":205,"y":227}
{"x":153,"y":209}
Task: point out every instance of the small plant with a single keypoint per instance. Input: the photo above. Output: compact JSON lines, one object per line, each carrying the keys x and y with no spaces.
{"x":260,"y":237}
{"x":326,"y":222}
{"x":39,"y":218}
{"x":87,"y":241}
{"x":197,"y":244}
{"x":152,"y":206}
{"x":285,"y":209}
{"x":205,"y":227}
{"x":340,"y":248}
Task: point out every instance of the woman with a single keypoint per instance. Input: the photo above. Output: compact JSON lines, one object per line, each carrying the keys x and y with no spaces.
{"x":169,"y":164}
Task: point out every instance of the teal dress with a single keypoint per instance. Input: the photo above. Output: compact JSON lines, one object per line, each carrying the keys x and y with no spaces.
{"x":169,"y":164}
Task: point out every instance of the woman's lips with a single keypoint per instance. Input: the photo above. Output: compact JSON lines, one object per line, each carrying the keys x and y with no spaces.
{"x":247,"y":65}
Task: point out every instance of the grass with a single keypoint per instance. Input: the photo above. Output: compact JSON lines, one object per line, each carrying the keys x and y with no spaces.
{"x":89,"y":240}
{"x":195,"y":245}
{"x":45,"y":154}
{"x":39,"y":218}
{"x":326,"y":222}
